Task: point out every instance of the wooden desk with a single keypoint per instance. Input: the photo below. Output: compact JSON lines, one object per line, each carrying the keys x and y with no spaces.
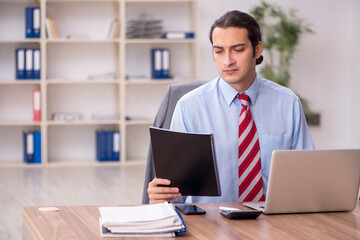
{"x":82,"y":222}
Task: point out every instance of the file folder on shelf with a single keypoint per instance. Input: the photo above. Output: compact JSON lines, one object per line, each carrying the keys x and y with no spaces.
{"x":29,"y":22}
{"x":160,"y":63}
{"x":36,"y":63}
{"x":36,"y":105}
{"x":107,"y":146}
{"x":32,"y":22}
{"x":156,"y":65}
{"x":32,"y":146}
{"x":116,"y":146}
{"x":29,"y":73}
{"x":37,"y":147}
{"x":20,"y":63}
{"x":36,"y":22}
{"x":178,"y":35}
{"x":28,"y":147}
{"x":166,"y":63}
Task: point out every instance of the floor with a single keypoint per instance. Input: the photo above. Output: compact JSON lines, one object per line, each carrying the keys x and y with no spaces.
{"x":57,"y":186}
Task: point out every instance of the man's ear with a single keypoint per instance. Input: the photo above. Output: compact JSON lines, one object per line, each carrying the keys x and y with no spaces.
{"x":258,"y":50}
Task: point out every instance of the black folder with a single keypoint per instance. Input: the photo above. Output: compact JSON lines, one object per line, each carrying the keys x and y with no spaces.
{"x":187,"y":159}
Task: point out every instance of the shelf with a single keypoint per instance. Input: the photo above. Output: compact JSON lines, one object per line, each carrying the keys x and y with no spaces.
{"x":20,"y":82}
{"x":82,"y":122}
{"x":85,"y":81}
{"x":139,"y":122}
{"x":69,"y":63}
{"x":156,"y":81}
{"x":18,"y":123}
{"x":160,"y":1}
{"x":86,"y":162}
{"x":5,"y":164}
{"x":159,"y":40}
{"x":27,"y":40}
{"x":81,"y":1}
{"x":82,"y":40}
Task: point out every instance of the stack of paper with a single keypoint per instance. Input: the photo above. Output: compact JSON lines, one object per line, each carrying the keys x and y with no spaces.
{"x":144,"y":27}
{"x":154,"y":220}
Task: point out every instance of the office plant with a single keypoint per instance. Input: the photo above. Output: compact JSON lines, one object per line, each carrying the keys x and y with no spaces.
{"x":281,"y":31}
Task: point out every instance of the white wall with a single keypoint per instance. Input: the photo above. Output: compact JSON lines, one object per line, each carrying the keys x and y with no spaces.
{"x":324,"y":69}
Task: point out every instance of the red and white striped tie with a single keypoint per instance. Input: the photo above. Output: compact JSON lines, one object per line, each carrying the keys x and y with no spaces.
{"x":250,"y":180}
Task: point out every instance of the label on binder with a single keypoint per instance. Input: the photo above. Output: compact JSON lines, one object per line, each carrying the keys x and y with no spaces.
{"x":36,"y":22}
{"x":116,"y":142}
{"x":30,"y":143}
{"x":29,"y":63}
{"x":36,"y":105}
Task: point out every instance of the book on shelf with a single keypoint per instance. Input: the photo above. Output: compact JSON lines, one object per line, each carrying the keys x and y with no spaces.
{"x":160,"y":63}
{"x":107,"y":146}
{"x":114,"y":29}
{"x":28,"y":63}
{"x":51,"y":29}
{"x":32,"y":146}
{"x":151,"y":220}
{"x":20,"y":63}
{"x":36,"y":105}
{"x":32,"y":22}
{"x":29,"y":57}
{"x":178,"y":35}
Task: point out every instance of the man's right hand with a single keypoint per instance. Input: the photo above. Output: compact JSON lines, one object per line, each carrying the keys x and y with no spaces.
{"x":162,"y":194}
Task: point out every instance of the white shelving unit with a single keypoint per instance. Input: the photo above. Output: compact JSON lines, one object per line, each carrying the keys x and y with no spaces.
{"x":127,"y":103}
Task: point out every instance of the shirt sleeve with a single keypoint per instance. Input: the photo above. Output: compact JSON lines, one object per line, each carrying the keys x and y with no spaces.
{"x":301,"y":135}
{"x":178,"y":121}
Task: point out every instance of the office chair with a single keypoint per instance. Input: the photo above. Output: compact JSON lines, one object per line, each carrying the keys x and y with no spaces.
{"x":163,"y":119}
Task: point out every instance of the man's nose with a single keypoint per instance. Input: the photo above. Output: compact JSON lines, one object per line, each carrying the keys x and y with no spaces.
{"x":228,"y":59}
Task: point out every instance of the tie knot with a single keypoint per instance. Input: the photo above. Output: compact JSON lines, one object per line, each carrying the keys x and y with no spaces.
{"x":244,"y":99}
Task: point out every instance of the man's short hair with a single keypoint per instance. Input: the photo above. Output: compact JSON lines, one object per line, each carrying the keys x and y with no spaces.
{"x":241,"y":20}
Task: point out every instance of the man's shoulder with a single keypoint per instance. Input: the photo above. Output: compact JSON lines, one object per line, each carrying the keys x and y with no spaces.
{"x":275,"y":88}
{"x":202,"y":91}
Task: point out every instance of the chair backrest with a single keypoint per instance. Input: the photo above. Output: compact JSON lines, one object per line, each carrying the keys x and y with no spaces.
{"x":163,"y":120}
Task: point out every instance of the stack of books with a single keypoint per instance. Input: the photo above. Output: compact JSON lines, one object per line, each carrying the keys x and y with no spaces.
{"x":153,"y":220}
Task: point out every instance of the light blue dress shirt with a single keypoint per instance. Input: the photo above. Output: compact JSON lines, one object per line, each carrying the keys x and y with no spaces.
{"x":214,"y":108}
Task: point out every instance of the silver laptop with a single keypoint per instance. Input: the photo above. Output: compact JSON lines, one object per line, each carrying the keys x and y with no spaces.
{"x":311,"y":181}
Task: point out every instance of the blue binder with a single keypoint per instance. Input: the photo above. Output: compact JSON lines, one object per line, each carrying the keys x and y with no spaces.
{"x":165,"y":61}
{"x":116,"y":146}
{"x":28,"y":147}
{"x":29,"y":22}
{"x":160,"y":63}
{"x":37,"y":147}
{"x":20,"y":63}
{"x":36,"y":22}
{"x":36,"y":63}
{"x":100,"y":146}
{"x":156,"y":63}
{"x":178,"y":35}
{"x":29,"y":60}
{"x":108,"y":145}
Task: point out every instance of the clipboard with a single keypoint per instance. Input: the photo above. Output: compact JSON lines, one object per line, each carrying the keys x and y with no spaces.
{"x":187,"y":160}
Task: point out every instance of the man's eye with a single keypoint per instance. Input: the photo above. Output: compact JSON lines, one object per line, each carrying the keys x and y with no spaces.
{"x":218,"y":52}
{"x":239,"y":50}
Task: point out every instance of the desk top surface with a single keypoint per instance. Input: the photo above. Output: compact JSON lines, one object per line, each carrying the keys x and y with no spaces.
{"x":82,"y":222}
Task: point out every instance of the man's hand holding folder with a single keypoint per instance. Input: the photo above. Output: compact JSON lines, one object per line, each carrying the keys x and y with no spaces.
{"x":159,"y":192}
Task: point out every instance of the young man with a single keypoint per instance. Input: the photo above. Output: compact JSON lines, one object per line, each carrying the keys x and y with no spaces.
{"x":249,"y":116}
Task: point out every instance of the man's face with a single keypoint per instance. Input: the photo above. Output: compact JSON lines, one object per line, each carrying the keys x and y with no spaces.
{"x":234,"y":58}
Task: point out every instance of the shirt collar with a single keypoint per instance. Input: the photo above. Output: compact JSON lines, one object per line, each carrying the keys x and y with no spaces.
{"x":230,"y":93}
